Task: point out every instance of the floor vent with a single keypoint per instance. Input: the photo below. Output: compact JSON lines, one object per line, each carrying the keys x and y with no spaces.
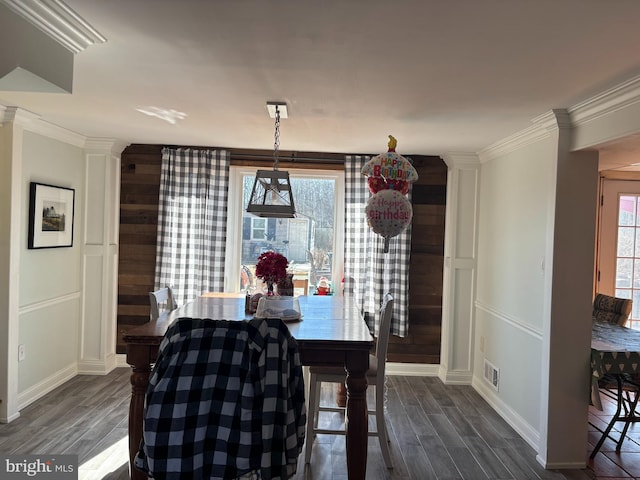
{"x":492,"y":374}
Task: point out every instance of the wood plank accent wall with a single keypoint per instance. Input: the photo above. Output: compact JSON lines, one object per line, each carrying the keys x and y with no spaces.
{"x":140,"y":185}
{"x":428,"y":199}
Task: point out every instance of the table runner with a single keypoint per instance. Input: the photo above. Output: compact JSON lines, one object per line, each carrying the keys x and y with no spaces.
{"x":614,"y":350}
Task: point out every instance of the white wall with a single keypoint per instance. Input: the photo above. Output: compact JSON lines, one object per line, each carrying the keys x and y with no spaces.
{"x":512,"y":241}
{"x":535,"y":285}
{"x":50,"y":280}
{"x":60,"y":303}
{"x":10,"y":201}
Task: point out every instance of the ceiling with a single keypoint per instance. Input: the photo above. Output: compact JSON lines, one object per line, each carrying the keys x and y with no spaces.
{"x":440,"y":76}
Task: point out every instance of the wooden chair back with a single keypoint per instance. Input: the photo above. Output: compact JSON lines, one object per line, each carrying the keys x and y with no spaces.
{"x":161,"y":302}
{"x":611,"y":309}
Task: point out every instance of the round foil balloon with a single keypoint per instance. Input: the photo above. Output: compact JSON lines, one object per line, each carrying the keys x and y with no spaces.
{"x":388,"y":214}
{"x":389,"y":171}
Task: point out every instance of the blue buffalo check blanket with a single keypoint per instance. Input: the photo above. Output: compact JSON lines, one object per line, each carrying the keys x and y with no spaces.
{"x":225,"y":400}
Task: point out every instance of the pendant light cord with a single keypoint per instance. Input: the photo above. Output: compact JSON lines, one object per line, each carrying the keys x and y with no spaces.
{"x":276,"y":142}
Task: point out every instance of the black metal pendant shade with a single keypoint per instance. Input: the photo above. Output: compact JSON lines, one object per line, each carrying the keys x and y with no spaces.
{"x":271,"y":195}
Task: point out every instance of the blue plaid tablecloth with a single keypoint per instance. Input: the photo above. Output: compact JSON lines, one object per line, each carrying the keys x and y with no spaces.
{"x":614,"y":350}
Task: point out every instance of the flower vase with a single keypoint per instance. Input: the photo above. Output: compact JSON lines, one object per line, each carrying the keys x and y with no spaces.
{"x":270,"y":291}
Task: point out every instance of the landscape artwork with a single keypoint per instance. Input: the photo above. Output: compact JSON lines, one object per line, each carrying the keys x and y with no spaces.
{"x":51,"y":211}
{"x":53,"y":216}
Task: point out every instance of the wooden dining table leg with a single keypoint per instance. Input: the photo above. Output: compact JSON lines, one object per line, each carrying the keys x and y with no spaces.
{"x":138,"y":358}
{"x":356,"y":421}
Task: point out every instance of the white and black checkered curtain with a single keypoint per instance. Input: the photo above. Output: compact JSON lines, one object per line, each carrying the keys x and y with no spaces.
{"x":369,"y":272}
{"x":192,"y":221}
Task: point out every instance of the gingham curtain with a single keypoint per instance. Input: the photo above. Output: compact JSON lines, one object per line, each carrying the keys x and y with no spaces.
{"x":370,"y":273}
{"x":192,"y":221}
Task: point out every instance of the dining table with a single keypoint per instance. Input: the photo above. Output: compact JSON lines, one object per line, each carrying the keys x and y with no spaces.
{"x":615,"y":355}
{"x":330,"y":332}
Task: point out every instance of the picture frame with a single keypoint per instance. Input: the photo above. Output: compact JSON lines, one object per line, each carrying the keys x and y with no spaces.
{"x":51,"y":216}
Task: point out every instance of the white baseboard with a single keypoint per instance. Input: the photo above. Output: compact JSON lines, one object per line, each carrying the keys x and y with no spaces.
{"x":412,"y":369}
{"x":526,"y":431}
{"x":39,"y":390}
{"x":121,"y":360}
{"x":10,"y":419}
{"x":455,"y":377}
{"x":561,"y":466}
{"x":97,"y":367}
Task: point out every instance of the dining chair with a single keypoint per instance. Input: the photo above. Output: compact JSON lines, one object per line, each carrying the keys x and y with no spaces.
{"x":611,"y":309}
{"x":225,"y":400}
{"x":624,"y":390}
{"x":375,"y":377}
{"x":161,"y":301}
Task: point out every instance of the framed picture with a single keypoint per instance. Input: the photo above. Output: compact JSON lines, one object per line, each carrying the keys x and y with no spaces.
{"x":50,"y":216}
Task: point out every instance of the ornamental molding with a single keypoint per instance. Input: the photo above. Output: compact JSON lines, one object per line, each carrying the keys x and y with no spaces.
{"x":610,"y":101}
{"x":59,"y":21}
{"x":33,"y":123}
{"x":99,"y":145}
{"x":543,"y":127}
{"x":461,"y":159}
{"x":525,"y":137}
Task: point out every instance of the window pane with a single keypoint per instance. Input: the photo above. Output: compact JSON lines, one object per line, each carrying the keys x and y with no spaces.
{"x":627,"y":210}
{"x":636,"y":274}
{"x":628,"y":254}
{"x":624,"y":271}
{"x":306,"y":241}
{"x":626,"y":237}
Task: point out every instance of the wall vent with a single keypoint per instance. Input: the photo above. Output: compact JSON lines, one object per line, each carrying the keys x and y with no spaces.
{"x":492,"y":374}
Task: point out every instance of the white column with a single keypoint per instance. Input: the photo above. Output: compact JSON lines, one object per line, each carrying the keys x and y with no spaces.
{"x":100,"y":257}
{"x":460,"y":252}
{"x":11,"y":188}
{"x":569,"y":290}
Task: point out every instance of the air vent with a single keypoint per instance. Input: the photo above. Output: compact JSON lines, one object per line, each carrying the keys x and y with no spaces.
{"x":492,"y":374}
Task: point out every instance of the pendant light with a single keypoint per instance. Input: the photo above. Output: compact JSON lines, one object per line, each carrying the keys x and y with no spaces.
{"x":271,"y":195}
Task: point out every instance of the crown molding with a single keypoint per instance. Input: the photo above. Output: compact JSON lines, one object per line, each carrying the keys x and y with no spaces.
{"x":59,"y":21}
{"x":616,"y":98}
{"x":112,"y":145}
{"x":529,"y":135}
{"x":34,"y":123}
{"x":543,"y":126}
{"x":461,"y":159}
{"x":17,"y":115}
{"x":54,"y":132}
{"x":557,"y":118}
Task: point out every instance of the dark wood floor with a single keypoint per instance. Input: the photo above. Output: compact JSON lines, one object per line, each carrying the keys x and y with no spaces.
{"x":437,"y":432}
{"x":608,"y":464}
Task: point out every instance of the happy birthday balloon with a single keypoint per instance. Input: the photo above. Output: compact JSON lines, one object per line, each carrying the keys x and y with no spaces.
{"x":388,"y":214}
{"x":389,"y":171}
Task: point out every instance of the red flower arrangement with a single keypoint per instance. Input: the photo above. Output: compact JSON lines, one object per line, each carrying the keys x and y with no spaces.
{"x":272,"y":267}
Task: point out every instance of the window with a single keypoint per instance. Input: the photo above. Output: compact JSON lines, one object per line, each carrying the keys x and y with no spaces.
{"x":628,"y":254}
{"x":312,"y":242}
{"x":258,"y":228}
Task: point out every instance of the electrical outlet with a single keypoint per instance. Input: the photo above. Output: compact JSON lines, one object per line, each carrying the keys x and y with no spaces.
{"x":482,"y":344}
{"x":21,"y":353}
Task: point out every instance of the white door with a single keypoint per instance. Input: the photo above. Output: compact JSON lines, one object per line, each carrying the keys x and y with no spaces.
{"x":618,"y":268}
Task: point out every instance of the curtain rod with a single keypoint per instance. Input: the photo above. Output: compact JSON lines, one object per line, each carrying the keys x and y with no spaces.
{"x":285,"y":155}
{"x":285,"y":158}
